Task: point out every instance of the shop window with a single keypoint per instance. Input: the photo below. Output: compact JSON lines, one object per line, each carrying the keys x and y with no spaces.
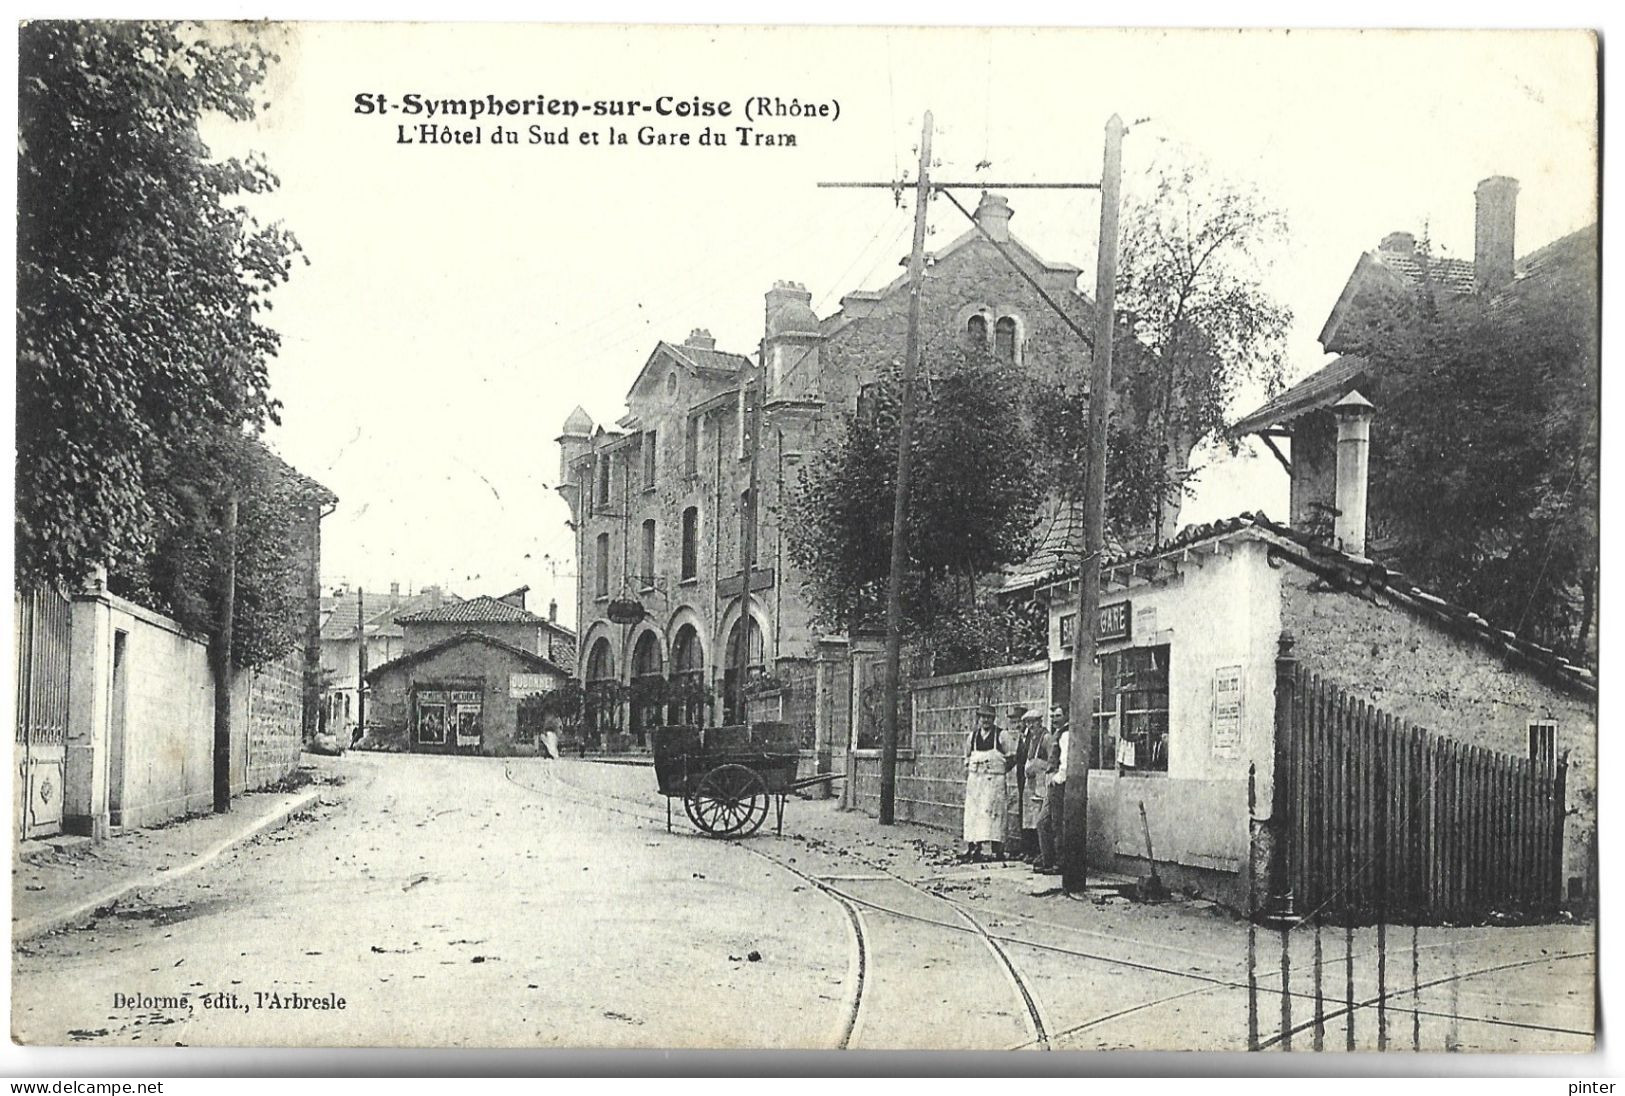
{"x":602,"y":702}
{"x":733,"y":686}
{"x":688,"y":700}
{"x":646,"y":570}
{"x":1543,"y":747}
{"x":1131,"y":715}
{"x":601,"y":565}
{"x":648,"y":687}
{"x":467,"y":711}
{"x":691,"y":542}
{"x":431,"y":717}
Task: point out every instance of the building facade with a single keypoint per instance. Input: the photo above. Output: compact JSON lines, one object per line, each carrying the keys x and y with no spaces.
{"x":347,"y":616}
{"x":467,"y":693}
{"x":661,"y":504}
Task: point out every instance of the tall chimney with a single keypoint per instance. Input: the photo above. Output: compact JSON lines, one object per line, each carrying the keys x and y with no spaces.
{"x":1497,"y":210}
{"x":1353,"y":467}
{"x":993,"y":213}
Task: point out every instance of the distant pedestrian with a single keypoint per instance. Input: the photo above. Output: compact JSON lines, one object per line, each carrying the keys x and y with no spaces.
{"x":1052,"y":813}
{"x":986,"y":763}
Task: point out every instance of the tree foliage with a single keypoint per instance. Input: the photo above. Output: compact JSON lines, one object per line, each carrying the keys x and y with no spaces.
{"x":1485,"y":449}
{"x":183,"y":574}
{"x":140,"y":282}
{"x":975,"y":491}
{"x":1199,"y":321}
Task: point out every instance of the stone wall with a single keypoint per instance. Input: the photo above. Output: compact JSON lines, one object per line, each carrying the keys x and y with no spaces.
{"x":1449,"y":684}
{"x":268,"y":717}
{"x":940,"y":715}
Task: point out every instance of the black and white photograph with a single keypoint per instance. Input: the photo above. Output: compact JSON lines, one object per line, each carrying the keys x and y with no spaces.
{"x":791,"y":538}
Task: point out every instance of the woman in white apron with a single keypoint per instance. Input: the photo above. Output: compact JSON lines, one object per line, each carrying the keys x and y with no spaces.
{"x":985,"y":766}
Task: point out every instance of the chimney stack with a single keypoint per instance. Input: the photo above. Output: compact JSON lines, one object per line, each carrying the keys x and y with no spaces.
{"x":700,"y":339}
{"x":1497,"y":209}
{"x":993,"y":213}
{"x":553,"y":610}
{"x":1398,"y":243}
{"x":1353,"y":413}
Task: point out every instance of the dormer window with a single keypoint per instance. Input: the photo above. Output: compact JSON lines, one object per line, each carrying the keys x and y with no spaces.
{"x":976,"y":333}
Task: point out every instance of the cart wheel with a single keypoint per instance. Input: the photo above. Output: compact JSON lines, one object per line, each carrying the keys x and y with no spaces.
{"x":728,"y":801}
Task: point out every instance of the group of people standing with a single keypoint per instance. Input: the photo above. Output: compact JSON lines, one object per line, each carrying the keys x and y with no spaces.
{"x":1015,"y":784}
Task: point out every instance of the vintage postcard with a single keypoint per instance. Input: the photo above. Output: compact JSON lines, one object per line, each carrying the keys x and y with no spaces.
{"x":806,"y":538}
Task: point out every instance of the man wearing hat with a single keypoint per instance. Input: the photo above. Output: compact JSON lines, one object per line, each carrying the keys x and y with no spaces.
{"x":986,"y":761}
{"x":1052,"y":783}
{"x":1021,"y":816}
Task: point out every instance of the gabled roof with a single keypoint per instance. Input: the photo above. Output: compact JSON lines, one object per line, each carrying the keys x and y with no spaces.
{"x":1322,"y":388}
{"x":529,"y":658}
{"x":1059,"y":543}
{"x":1565,"y":256}
{"x":305,"y":487}
{"x":1352,"y":572}
{"x":379,"y":612}
{"x":484,"y":609}
{"x":1452,"y":276}
{"x":711,"y":364}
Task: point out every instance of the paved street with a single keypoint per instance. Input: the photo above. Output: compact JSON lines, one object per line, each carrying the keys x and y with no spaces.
{"x":482,"y":902}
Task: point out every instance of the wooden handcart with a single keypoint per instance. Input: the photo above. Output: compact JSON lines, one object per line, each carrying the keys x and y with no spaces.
{"x":729,"y":777}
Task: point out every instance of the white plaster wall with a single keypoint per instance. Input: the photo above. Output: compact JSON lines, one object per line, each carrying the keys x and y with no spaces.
{"x":1215,"y":611}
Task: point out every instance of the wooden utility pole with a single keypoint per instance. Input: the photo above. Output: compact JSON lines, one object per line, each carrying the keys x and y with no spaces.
{"x":747,"y":539}
{"x":221,"y":652}
{"x":899,"y":532}
{"x":1075,"y":819}
{"x":360,"y":662}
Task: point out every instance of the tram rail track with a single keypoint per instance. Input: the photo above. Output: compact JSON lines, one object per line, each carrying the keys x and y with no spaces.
{"x":1044,"y":1033}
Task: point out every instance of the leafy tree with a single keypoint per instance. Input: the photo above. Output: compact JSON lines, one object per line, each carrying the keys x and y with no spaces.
{"x":1491,"y":404}
{"x":1199,"y":321}
{"x":184,"y":573}
{"x":971,"y":510}
{"x":140,"y":283}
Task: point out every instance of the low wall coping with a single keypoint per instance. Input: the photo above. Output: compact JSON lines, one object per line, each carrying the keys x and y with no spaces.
{"x":141,"y":613}
{"x":994,"y":673}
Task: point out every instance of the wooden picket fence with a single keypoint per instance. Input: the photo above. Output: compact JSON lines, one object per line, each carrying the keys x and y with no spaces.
{"x":1388,"y":821}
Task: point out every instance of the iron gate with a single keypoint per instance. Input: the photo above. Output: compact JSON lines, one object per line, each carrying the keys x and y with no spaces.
{"x":43,"y":625}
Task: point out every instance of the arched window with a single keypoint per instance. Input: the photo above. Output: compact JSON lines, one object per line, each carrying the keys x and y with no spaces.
{"x":1004,"y":339}
{"x":732,"y":686}
{"x":648,"y":686}
{"x":688,"y":704}
{"x":602,"y":703}
{"x":976,"y":333}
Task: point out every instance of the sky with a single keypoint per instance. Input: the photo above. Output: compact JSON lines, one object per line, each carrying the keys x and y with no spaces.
{"x":461,"y":300}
